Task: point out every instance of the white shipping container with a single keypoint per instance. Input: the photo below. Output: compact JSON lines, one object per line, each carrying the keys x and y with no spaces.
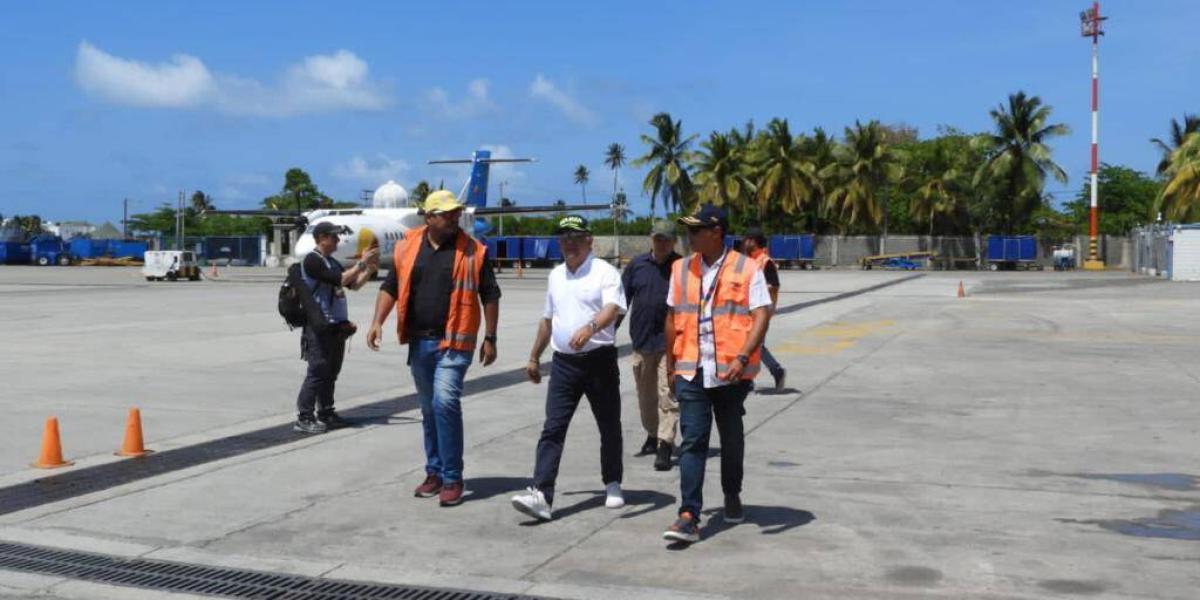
{"x":1185,"y":253}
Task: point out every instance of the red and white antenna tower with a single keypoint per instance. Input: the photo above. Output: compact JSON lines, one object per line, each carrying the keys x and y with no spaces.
{"x":1090,"y":23}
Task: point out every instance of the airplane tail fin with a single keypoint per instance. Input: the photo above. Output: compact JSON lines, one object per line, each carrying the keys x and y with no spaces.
{"x":474,"y":192}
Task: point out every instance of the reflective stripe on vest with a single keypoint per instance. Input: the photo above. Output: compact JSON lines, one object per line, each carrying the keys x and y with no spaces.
{"x":464,"y":316}
{"x":731,"y":316}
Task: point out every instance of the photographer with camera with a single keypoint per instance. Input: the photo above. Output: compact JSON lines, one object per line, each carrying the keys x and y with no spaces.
{"x":323,"y":344}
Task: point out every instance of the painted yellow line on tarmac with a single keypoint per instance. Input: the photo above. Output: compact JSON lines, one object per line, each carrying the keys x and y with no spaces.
{"x":831,"y":338}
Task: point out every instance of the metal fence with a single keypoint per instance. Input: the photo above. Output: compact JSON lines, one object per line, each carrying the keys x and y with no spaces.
{"x":1152,"y":250}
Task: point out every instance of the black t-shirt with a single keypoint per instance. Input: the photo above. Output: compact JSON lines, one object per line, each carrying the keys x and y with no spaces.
{"x":316,"y":267}
{"x":771,"y":274}
{"x":431,"y":286}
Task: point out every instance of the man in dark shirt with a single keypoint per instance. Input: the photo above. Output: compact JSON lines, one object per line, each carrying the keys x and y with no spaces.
{"x":439,"y":279}
{"x":755,"y":246}
{"x":646,"y":280}
{"x":324,"y":346}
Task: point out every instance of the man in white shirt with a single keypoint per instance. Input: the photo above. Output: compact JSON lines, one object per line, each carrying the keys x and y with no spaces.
{"x":719,"y":313}
{"x":584,"y":297}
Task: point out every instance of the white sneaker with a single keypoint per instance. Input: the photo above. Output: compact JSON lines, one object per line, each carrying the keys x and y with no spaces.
{"x":614,"y":497}
{"x":533,"y":503}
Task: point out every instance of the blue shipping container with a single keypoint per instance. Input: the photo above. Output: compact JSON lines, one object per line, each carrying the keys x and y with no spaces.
{"x":791,"y":247}
{"x":1012,"y":248}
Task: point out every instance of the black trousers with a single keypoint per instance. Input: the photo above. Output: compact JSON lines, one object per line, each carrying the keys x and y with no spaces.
{"x":324,"y":354}
{"x":594,"y":374}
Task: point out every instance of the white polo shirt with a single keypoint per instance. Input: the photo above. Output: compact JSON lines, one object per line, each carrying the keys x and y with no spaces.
{"x":574,"y":299}
{"x":760,"y":296}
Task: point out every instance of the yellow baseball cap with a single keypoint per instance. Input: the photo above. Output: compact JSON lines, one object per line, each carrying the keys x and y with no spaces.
{"x":442,"y":201}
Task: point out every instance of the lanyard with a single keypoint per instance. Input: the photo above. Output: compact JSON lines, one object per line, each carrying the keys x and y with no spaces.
{"x":707,"y":297}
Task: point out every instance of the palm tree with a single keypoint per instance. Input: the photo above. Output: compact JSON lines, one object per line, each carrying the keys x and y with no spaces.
{"x":1180,"y":198}
{"x":942,"y":188}
{"x":863,"y":165}
{"x":419,"y":192}
{"x":614,"y":158}
{"x":201,"y":202}
{"x":721,"y":171}
{"x":786,"y":177}
{"x":1018,"y":158}
{"x":1191,"y":124}
{"x":581,"y":177}
{"x":668,"y":176}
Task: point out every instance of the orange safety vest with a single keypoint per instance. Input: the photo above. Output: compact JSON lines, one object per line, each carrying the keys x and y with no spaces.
{"x":763,"y":259}
{"x":731,"y":316}
{"x":462,"y":322}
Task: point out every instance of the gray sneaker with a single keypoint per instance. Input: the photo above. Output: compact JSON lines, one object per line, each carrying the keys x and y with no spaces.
{"x":533,"y":503}
{"x":308,"y":424}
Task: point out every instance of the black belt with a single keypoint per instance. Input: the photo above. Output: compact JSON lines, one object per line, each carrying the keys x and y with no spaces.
{"x":426,"y":333}
{"x":601,"y":352}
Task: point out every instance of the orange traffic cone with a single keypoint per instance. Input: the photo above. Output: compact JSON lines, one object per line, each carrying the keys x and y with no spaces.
{"x":133,"y":436}
{"x":51,"y":457}
{"x":961,"y":292}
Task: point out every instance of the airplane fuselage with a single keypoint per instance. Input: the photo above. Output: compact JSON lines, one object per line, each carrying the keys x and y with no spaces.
{"x":386,"y":226}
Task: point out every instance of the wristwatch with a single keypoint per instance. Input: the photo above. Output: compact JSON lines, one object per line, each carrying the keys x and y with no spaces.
{"x":489,"y":338}
{"x":594,"y":326}
{"x":742,"y":358}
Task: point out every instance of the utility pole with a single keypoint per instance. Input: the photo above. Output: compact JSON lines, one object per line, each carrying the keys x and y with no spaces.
{"x":502,"y":206}
{"x":1090,"y":23}
{"x":125,"y":218}
{"x":179,"y":222}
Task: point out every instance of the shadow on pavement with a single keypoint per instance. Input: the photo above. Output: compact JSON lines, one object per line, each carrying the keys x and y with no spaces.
{"x":771,"y":520}
{"x":482,"y":488}
{"x":644,"y":502}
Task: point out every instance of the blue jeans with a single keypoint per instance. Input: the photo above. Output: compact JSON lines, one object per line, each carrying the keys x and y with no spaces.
{"x":697,"y":408}
{"x":439,"y":377}
{"x":768,"y":360}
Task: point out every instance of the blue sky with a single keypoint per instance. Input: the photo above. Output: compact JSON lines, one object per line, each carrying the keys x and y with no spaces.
{"x":101,"y":101}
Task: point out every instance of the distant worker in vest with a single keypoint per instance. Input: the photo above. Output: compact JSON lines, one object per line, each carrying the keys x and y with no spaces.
{"x":323,"y":345}
{"x":754,"y":244}
{"x":584,"y":298}
{"x":719,"y":312}
{"x":441,"y":288}
{"x":646,"y":279}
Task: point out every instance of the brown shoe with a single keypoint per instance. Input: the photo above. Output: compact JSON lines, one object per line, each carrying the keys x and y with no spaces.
{"x":451,"y":494}
{"x":429,"y":488}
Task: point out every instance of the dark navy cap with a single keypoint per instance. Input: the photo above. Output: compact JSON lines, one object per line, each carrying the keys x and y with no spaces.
{"x":708,"y":215}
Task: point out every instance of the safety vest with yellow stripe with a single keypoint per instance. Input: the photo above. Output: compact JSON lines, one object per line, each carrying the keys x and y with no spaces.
{"x":731,"y":318}
{"x":463,"y":318}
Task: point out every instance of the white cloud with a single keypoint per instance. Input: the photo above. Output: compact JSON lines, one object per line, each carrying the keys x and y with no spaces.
{"x":477,"y":102}
{"x":319,"y":83}
{"x":183,"y":82}
{"x":374,"y":171}
{"x":544,"y":89}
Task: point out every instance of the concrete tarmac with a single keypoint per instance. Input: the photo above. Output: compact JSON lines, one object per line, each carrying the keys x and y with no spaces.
{"x":1035,"y":439}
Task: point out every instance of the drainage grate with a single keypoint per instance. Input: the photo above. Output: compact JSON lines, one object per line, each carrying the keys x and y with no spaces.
{"x":168,"y":576}
{"x":79,"y":482}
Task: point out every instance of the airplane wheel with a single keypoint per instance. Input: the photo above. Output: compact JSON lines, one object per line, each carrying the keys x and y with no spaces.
{"x":172,"y":276}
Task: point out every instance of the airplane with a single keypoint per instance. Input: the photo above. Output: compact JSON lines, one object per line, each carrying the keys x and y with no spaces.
{"x":387,"y":226}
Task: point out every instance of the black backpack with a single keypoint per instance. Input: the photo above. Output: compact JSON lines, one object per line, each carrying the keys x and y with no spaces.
{"x":291,"y":299}
{"x":297,"y":305}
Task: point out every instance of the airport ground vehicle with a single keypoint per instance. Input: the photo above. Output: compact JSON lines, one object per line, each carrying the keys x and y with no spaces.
{"x":170,"y":265}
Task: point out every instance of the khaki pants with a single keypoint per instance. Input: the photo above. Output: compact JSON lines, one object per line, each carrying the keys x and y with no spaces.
{"x":660,"y":411}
